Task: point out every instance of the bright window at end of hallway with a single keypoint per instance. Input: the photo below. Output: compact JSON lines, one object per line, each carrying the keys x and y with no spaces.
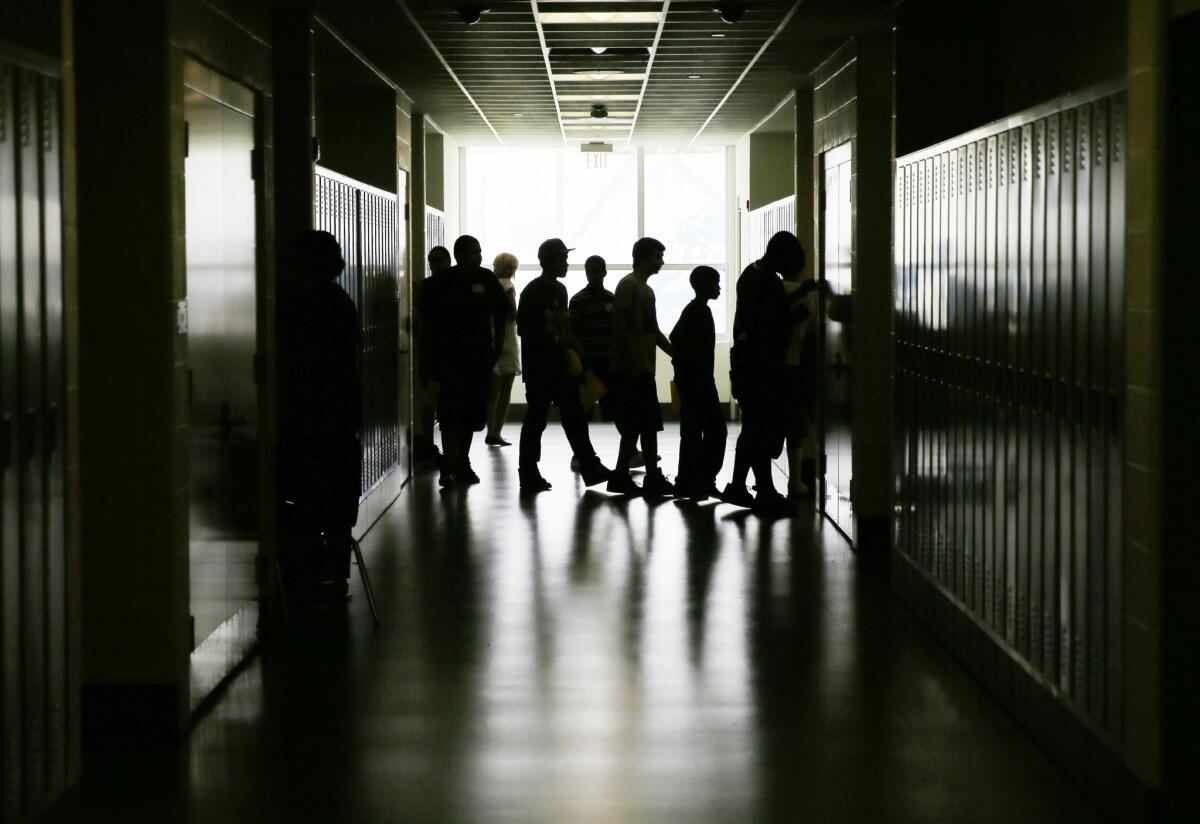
{"x":686,"y":207}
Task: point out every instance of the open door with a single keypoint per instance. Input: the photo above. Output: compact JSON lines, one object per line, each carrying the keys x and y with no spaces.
{"x":835,"y":382}
{"x":221,"y":357}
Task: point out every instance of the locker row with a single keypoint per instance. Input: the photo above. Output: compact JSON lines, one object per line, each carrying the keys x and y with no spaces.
{"x":33,"y":705}
{"x":364,"y":220}
{"x":1009,"y":281}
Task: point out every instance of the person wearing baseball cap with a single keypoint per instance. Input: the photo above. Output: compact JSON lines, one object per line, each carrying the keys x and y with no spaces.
{"x":546,"y":340}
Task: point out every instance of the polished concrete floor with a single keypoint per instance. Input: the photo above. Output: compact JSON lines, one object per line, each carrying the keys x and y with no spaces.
{"x":577,"y":657}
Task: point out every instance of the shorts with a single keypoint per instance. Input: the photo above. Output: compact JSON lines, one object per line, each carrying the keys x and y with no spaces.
{"x":635,"y":404}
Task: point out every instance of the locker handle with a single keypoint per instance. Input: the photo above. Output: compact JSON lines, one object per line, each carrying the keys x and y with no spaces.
{"x":52,"y":429}
{"x":6,"y":426}
{"x":26,"y":433}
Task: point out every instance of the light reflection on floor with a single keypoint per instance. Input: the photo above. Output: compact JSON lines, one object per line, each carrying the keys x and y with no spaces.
{"x":579,"y":657}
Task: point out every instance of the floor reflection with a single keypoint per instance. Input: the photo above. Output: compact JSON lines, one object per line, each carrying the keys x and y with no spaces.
{"x":575,"y":656}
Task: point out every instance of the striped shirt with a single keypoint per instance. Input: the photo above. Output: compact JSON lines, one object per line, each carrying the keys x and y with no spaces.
{"x":591,"y":311}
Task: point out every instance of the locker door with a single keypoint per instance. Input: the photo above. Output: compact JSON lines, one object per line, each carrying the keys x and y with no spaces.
{"x":31,"y":437}
{"x":53,"y":403}
{"x":10,"y":505}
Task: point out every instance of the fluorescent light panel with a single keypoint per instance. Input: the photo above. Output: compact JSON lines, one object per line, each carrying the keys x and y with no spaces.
{"x":598,"y":77}
{"x":599,"y":98}
{"x":597,"y":18}
{"x":590,"y":128}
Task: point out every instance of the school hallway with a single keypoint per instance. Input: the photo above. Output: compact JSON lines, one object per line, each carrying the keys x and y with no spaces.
{"x":575,"y":656}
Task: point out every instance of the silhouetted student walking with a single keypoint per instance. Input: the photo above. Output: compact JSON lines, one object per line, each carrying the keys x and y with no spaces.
{"x":508,"y":366}
{"x":702,"y":430}
{"x":466,"y":311}
{"x":635,"y":336}
{"x":546,"y":338}
{"x":320,"y":413}
{"x":424,"y":449}
{"x":761,"y":332}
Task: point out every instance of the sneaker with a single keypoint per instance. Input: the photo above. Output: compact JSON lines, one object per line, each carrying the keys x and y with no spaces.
{"x":770,"y":504}
{"x":623,"y":485}
{"x":533,"y":482}
{"x":595,"y":473}
{"x":466,"y":475}
{"x":574,"y":464}
{"x":446,"y":480}
{"x":737,"y":495}
{"x":496,"y":441}
{"x":657,"y":486}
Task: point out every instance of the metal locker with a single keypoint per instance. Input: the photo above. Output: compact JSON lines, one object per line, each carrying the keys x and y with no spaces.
{"x":1068,"y":633}
{"x":1097,"y":408}
{"x":32,"y":440}
{"x":53,"y":405}
{"x":1051,"y":542}
{"x":11,"y":724}
{"x":974,"y":538}
{"x":1005,"y":294}
{"x":1081,"y":416}
{"x":1115,"y":381}
{"x":954,"y":482}
{"x":1024,"y":476}
{"x":1035,"y":320}
{"x":993,"y":558}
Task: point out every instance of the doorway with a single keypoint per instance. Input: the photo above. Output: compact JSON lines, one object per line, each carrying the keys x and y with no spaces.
{"x":221,"y":317}
{"x":837,"y":267}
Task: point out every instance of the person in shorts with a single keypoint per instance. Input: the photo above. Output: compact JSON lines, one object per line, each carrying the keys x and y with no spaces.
{"x":635,"y":337}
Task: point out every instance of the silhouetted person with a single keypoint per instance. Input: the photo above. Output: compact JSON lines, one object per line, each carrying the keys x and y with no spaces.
{"x":320,"y":404}
{"x":424,"y":449}
{"x":591,"y":312}
{"x":702,"y":430}
{"x":635,"y":336}
{"x":466,"y":311}
{"x":546,"y":340}
{"x":761,"y":331}
{"x":800,"y":382}
{"x":508,"y":366}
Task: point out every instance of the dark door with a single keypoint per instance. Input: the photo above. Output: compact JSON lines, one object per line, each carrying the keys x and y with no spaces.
{"x":837,"y":271}
{"x":222,"y":340}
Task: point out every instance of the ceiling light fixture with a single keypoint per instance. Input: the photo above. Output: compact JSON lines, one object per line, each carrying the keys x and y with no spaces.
{"x":595,"y":77}
{"x":693,"y":77}
{"x":552,"y":18}
{"x":470,"y":13}
{"x":518,"y":114}
{"x":731,"y":11}
{"x":599,"y":49}
{"x":718,"y":35}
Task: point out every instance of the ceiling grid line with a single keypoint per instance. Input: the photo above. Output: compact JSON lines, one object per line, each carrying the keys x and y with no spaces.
{"x":537,"y":21}
{"x":662,"y":22}
{"x":446,"y":65}
{"x":762,"y":49}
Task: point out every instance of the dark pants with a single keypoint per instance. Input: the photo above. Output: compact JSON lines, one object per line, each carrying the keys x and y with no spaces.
{"x":564,"y":393}
{"x":702,"y":435}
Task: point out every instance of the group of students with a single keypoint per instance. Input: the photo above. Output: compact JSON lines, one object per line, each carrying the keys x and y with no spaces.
{"x":601,"y":345}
